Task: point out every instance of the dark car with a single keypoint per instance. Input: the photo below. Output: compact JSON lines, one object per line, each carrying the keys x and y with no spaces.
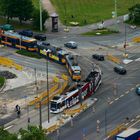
{"x":40,"y":37}
{"x":98,"y":57}
{"x":120,"y":70}
{"x":28,"y":33}
{"x":137,"y":90}
{"x":71,"y":45}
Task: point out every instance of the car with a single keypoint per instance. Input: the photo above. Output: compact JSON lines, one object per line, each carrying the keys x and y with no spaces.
{"x":40,"y":37}
{"x":120,"y":70}
{"x":98,"y":57}
{"x":71,"y":45}
{"x":27,"y":33}
{"x":137,"y":90}
{"x":7,"y":27}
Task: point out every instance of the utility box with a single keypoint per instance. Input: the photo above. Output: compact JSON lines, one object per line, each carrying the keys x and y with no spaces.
{"x":54,"y":17}
{"x":129,"y":134}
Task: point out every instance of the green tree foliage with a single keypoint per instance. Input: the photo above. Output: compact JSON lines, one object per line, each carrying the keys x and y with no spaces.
{"x":8,"y":8}
{"x":5,"y":135}
{"x":21,"y":9}
{"x":33,"y":133}
{"x":36,"y":18}
{"x":135,"y":14}
{"x":24,"y":10}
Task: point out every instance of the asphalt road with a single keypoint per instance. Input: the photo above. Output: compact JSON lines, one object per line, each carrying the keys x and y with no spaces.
{"x":123,"y":105}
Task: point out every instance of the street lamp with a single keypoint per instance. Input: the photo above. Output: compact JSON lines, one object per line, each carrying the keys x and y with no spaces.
{"x":40,"y":7}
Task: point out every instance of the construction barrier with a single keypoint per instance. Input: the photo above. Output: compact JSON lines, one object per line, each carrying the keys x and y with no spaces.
{"x":117,"y":130}
{"x":70,"y":112}
{"x":51,"y":128}
{"x":43,"y":95}
{"x":10,"y":63}
{"x":136,"y":39}
{"x":58,"y":92}
{"x":113,"y":59}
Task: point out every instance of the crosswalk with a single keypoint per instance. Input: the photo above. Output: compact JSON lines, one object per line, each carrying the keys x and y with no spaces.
{"x":127,"y":61}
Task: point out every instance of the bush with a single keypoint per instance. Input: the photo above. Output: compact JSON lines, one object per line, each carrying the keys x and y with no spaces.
{"x":2,"y":80}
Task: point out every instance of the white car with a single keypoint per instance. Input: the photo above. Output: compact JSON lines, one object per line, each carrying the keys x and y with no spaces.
{"x":71,"y":45}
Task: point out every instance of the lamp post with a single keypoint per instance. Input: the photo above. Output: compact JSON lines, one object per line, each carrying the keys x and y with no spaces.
{"x":115,"y":8}
{"x":48,"y":91}
{"x":40,"y":7}
{"x":40,"y":106}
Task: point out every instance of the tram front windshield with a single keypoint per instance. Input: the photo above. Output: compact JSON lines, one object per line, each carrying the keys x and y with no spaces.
{"x":53,"y":105}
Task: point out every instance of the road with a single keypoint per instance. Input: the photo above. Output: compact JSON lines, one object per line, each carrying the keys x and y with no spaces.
{"x":123,"y":102}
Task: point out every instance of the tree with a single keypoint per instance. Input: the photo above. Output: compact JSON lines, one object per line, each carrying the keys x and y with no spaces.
{"x":33,"y":133}
{"x":24,"y":10}
{"x":5,"y":135}
{"x":36,"y":18}
{"x":134,"y":14}
{"x":8,"y":8}
{"x":21,"y":9}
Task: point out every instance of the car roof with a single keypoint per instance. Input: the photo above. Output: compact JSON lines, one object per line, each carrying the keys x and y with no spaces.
{"x":72,"y":42}
{"x":120,"y":67}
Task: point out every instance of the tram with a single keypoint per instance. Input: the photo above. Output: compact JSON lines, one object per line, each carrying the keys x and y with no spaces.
{"x":83,"y":91}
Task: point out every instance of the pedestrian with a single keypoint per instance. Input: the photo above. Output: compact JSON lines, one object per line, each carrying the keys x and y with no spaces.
{"x":17,"y":107}
{"x":18,"y":113}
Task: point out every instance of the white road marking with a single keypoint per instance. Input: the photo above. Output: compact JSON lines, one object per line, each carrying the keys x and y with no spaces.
{"x":138,"y":59}
{"x":122,"y":95}
{"x":134,"y":124}
{"x":127,"y":92}
{"x":8,"y":127}
{"x":116,"y":99}
{"x":137,"y":85}
{"x":131,"y":89}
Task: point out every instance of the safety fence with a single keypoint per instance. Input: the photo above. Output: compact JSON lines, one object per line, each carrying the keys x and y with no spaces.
{"x":71,"y":112}
{"x":113,"y":59}
{"x":9,"y":63}
{"x":117,"y":130}
{"x":57,"y":92}
{"x":57,"y":89}
{"x":136,"y":39}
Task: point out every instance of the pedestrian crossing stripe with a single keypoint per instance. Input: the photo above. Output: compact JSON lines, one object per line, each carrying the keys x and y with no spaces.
{"x":127,"y":61}
{"x":138,"y":59}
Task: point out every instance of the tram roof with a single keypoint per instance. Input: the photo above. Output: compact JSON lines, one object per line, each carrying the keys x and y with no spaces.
{"x":70,"y":60}
{"x":16,"y":35}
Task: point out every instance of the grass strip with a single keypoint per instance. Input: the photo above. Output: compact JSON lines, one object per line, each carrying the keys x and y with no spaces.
{"x":2,"y":81}
{"x":29,"y":54}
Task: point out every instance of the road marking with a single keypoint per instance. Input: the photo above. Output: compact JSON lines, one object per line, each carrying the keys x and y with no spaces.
{"x":138,"y":116}
{"x":134,"y":124}
{"x":137,"y":85}
{"x":122,"y":95}
{"x":8,"y":127}
{"x":132,"y":120}
{"x":116,"y":99}
{"x":126,"y":124}
{"x":111,"y":102}
{"x":131,"y":89}
{"x":127,"y":92}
